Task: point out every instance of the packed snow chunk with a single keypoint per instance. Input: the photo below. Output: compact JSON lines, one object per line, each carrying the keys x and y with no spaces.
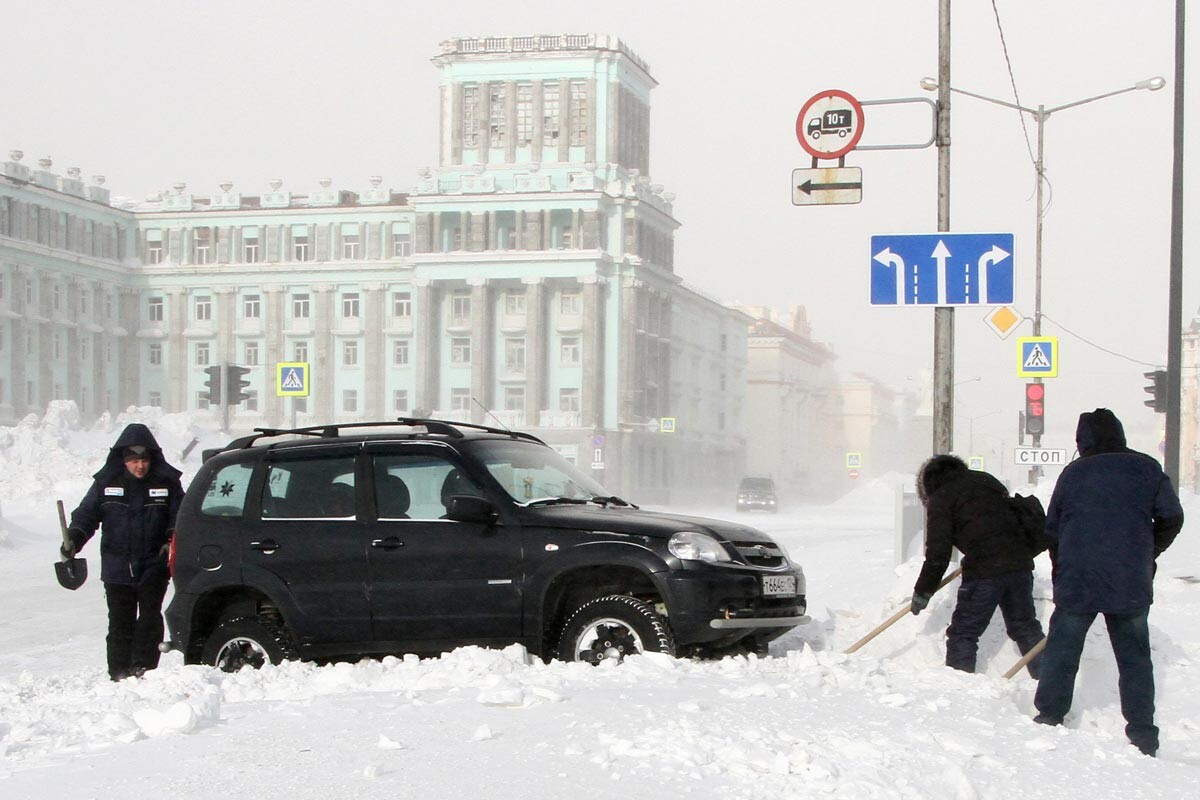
{"x":389,"y":744}
{"x":482,"y":733}
{"x":512,"y":696}
{"x":179,"y":718}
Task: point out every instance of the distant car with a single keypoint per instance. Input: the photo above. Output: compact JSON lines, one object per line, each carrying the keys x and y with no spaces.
{"x":757,"y":494}
{"x":336,"y":542}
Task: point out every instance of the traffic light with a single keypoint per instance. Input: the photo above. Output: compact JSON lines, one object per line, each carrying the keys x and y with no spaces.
{"x":238,"y":384}
{"x":214,"y":385}
{"x":1035,"y":408}
{"x":1157,"y":390}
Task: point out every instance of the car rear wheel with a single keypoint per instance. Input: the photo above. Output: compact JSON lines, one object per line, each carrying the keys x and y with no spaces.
{"x":248,"y":642}
{"x":612,"y":627}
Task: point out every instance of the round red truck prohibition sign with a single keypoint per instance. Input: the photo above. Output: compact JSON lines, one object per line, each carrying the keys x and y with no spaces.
{"x":830,"y":124}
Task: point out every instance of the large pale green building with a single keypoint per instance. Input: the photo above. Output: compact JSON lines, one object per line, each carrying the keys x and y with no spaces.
{"x":528,"y":280}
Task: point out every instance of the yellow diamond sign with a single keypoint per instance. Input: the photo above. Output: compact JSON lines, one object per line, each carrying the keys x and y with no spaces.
{"x":1003,"y":320}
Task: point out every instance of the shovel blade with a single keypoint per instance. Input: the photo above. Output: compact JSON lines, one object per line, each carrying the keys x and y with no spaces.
{"x":71,"y":573}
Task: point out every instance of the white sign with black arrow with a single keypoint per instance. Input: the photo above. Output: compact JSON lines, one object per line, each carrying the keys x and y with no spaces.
{"x":826,"y":186}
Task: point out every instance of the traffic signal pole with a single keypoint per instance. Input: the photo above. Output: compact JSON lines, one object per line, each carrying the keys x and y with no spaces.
{"x":225,"y":398}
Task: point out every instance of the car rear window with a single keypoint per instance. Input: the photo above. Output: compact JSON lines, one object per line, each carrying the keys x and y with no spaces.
{"x":758,"y":484}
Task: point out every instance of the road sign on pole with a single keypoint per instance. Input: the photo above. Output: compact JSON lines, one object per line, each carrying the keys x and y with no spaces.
{"x":292,"y":379}
{"x":941,"y":269}
{"x":827,"y":186}
{"x":1037,"y":357}
{"x":1039,"y":457}
{"x":829,"y":124}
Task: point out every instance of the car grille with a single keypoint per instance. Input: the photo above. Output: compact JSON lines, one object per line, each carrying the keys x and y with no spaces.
{"x":760,"y":555}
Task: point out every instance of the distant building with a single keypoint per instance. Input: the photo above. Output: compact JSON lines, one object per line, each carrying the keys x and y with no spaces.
{"x":528,"y":281}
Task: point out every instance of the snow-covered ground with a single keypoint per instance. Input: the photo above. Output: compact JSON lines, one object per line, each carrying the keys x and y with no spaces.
{"x":887,"y":722}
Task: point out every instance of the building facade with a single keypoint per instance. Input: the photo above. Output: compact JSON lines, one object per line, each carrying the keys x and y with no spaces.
{"x":528,"y":280}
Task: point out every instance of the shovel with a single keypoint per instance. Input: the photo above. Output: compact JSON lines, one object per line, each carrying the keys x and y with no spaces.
{"x":71,"y":572}
{"x":887,"y":623}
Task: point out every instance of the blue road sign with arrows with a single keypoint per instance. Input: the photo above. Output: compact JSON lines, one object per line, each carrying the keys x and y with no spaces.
{"x":941,"y":269}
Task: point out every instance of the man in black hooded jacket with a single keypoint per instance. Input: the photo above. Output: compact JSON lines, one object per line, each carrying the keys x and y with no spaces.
{"x":969,"y":510}
{"x":1113,"y":512}
{"x":133,"y":500}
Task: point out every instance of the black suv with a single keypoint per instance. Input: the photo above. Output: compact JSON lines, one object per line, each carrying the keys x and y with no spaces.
{"x":757,"y":493}
{"x":425,"y":535}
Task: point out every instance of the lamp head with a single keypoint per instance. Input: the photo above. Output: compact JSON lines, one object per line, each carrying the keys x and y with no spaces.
{"x":929,"y":84}
{"x":1153,"y":84}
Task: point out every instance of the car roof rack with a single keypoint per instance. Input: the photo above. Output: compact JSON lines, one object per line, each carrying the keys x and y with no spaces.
{"x":333,"y":430}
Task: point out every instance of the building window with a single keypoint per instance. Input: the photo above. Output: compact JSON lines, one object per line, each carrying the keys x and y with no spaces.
{"x":252,"y":306}
{"x":203,"y":308}
{"x":202,"y":355}
{"x":460,"y":307}
{"x":497,"y":124}
{"x":154,"y":247}
{"x":570,"y":304}
{"x":108,"y":306}
{"x":514,"y":355}
{"x":514,"y":304}
{"x":721,"y":420}
{"x":568,"y":400}
{"x":251,"y":354}
{"x":400,"y":401}
{"x":300,"y":306}
{"x":83,"y":298}
{"x":470,"y":116}
{"x":550,"y":115}
{"x":514,"y":398}
{"x":84,"y":347}
{"x":300,"y":246}
{"x":57,"y":297}
{"x":154,"y":309}
{"x":250,"y":245}
{"x":251,"y":401}
{"x":724,"y":342}
{"x":460,"y":399}
{"x":401,"y":245}
{"x":460,"y":351}
{"x":350,"y":401}
{"x":349,"y":245}
{"x":300,"y":352}
{"x":350,"y":304}
{"x":29,"y":291}
{"x":400,"y":353}
{"x":155,"y":354}
{"x":579,"y":113}
{"x":156,"y":399}
{"x":350,"y":354}
{"x":201,"y":242}
{"x":401,"y":304}
{"x":569,"y":351}
{"x":524,"y":114}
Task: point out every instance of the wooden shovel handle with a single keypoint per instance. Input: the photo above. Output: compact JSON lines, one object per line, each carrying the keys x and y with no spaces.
{"x":1025,"y":659}
{"x":62,"y":523}
{"x":887,"y":623}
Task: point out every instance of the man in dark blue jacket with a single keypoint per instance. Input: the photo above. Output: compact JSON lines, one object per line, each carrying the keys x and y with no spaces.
{"x":1112,"y":513}
{"x":133,"y":499}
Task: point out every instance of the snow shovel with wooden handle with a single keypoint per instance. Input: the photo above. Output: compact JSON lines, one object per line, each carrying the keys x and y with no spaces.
{"x":1025,"y":659}
{"x":71,"y":572}
{"x":887,"y":623}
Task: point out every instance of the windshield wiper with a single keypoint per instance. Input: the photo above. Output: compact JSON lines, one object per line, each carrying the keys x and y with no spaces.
{"x":547,"y":501}
{"x":612,"y":500}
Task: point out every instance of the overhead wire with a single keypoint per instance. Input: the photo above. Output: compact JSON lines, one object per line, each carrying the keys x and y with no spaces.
{"x":1090,"y":343}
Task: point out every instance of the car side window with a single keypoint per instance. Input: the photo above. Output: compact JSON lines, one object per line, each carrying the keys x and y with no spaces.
{"x":428,"y":480}
{"x":311,"y":488}
{"x":226,"y":495}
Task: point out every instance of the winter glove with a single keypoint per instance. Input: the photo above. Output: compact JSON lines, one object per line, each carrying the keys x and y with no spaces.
{"x":67,"y":550}
{"x":919,"y":602}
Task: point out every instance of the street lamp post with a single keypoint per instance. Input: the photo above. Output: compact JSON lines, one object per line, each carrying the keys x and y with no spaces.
{"x":1040,"y":115}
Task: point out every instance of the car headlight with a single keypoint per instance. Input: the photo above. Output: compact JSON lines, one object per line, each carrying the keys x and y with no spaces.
{"x":694,"y":546}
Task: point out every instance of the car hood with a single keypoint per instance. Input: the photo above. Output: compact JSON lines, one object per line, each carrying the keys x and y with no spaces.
{"x":638,"y":521}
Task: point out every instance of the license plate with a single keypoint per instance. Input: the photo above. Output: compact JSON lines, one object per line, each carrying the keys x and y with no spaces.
{"x":777,"y":585}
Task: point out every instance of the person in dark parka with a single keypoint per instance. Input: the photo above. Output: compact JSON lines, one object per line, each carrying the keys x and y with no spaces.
{"x":133,"y":500}
{"x":969,"y":509}
{"x":1113,"y":512}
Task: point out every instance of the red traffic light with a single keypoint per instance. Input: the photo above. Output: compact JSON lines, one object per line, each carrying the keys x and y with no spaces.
{"x":1035,"y":391}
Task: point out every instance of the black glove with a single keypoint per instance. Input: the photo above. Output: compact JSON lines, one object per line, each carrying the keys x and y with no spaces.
{"x":67,"y":550}
{"x":919,"y":602}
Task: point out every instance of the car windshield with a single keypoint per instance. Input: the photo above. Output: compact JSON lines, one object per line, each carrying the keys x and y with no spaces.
{"x":758,"y":485}
{"x":532,"y":472}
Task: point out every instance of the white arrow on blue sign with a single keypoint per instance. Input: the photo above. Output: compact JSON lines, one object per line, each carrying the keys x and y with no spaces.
{"x":941,"y":269}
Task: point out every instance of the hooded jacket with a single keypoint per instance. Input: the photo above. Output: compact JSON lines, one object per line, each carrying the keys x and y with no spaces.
{"x":135,"y":516}
{"x":969,"y":510}
{"x":1112,"y":513}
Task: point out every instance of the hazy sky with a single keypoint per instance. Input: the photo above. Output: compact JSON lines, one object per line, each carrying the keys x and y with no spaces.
{"x":151,"y":93}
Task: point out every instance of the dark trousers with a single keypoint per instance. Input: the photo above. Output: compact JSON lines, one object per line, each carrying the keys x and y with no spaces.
{"x":1130,"y":638}
{"x":977,"y":601}
{"x":135,"y":625}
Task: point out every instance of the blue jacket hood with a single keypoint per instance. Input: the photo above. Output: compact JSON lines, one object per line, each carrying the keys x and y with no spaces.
{"x":136,"y":433}
{"x":1099,"y":431}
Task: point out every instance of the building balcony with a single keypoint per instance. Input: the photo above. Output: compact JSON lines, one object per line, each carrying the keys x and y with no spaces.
{"x":559,"y":419}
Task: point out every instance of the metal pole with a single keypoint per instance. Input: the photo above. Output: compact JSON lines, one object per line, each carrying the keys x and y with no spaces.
{"x":943,"y":317}
{"x":1175,"y":282}
{"x":1035,"y":472}
{"x":225,"y":398}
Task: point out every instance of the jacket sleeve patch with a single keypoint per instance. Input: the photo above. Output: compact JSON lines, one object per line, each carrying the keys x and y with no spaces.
{"x":114,"y":491}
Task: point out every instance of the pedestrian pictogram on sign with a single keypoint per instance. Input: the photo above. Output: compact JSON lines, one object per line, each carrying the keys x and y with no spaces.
{"x":853,"y":460}
{"x":1037,"y":357}
{"x":291,"y":379}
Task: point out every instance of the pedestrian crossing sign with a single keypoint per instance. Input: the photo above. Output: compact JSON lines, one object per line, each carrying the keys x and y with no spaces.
{"x":291,"y":379}
{"x":1037,"y":357}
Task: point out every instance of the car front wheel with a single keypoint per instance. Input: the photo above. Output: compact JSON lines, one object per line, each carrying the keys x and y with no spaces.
{"x":248,"y":641}
{"x":612,"y":627}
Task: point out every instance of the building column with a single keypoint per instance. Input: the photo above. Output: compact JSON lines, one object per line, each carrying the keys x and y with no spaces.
{"x":537,"y":362}
{"x":129,"y":386}
{"x":324,"y":364}
{"x":630,"y":360}
{"x":482,"y":348}
{"x":592,"y":389}
{"x":225,"y":300}
{"x":274,"y":322}
{"x":374,"y":365}
{"x":72,"y":341}
{"x":426,"y":346}
{"x":176,"y":357}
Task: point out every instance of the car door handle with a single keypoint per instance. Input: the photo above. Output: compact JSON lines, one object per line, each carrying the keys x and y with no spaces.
{"x":269,"y":546}
{"x":390,"y":543}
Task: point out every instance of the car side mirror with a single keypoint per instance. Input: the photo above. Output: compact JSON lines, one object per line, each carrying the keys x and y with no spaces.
{"x":470,"y":508}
